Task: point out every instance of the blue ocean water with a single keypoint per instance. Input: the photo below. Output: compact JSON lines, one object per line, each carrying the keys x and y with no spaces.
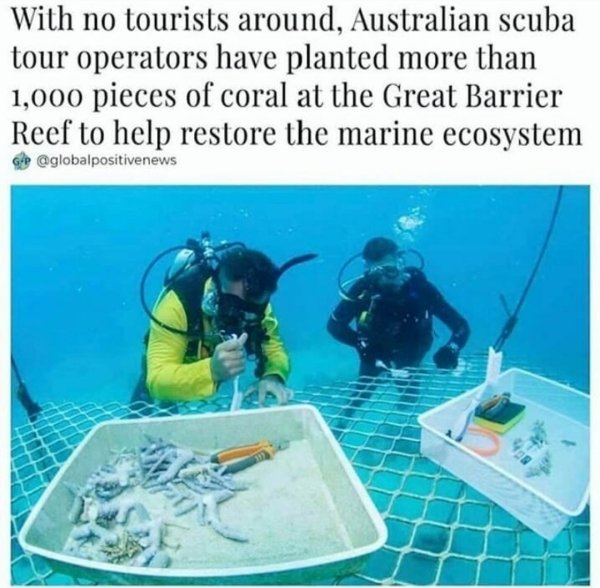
{"x":78,"y":254}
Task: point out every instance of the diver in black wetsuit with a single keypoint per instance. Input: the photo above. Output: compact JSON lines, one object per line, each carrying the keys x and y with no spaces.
{"x":393,"y":306}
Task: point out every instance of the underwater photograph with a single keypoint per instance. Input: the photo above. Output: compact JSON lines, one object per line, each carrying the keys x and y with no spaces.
{"x":284,"y":385}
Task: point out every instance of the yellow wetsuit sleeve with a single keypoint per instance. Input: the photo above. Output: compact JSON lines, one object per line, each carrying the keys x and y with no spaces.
{"x":277,"y":361}
{"x":168,"y":376}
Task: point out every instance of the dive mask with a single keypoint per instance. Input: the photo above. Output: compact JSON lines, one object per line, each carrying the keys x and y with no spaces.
{"x":235,"y":315}
{"x":388,"y":272}
{"x":387,"y":278}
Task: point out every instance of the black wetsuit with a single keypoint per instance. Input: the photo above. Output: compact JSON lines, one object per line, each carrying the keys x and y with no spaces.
{"x":397,"y":327}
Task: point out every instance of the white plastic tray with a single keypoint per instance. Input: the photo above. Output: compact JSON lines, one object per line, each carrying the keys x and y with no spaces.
{"x":307,"y":515}
{"x":544,"y":503}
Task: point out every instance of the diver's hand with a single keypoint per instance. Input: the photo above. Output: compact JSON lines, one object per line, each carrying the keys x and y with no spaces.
{"x":446,"y":357}
{"x":270,"y":385}
{"x":229,"y":359}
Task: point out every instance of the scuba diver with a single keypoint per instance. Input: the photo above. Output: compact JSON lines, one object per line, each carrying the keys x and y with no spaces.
{"x":393,"y":305}
{"x":213,"y":312}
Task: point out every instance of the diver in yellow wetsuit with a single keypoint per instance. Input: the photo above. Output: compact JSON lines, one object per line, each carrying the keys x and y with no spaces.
{"x":180,"y":371}
{"x":208,"y":320}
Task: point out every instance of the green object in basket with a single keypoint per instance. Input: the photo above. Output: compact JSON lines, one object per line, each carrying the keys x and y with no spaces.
{"x":503,"y":420}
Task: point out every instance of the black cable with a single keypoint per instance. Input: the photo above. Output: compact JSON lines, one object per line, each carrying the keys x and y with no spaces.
{"x":13,"y":363}
{"x":511,"y":322}
{"x":31,"y":407}
{"x":142,"y":290}
{"x":201,"y":260}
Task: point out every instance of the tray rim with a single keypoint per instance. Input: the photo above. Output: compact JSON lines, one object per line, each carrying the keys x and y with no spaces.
{"x":290,"y":566}
{"x":460,"y":447}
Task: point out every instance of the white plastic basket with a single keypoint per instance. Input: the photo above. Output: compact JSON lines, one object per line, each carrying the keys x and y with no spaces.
{"x":545,"y":502}
{"x":307,"y":513}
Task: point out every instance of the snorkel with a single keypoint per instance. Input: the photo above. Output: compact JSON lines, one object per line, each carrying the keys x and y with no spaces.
{"x":235,"y":314}
{"x":296,"y":261}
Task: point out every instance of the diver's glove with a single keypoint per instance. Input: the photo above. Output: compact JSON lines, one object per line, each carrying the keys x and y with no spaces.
{"x":446,"y":357}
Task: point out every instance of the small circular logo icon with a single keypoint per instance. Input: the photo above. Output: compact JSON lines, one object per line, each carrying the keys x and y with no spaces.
{"x":21,"y":161}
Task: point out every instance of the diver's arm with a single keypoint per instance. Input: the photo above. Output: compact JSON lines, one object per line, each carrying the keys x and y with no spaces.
{"x":277,"y":361}
{"x":449,"y":316}
{"x":338,"y":324}
{"x":169,"y":378}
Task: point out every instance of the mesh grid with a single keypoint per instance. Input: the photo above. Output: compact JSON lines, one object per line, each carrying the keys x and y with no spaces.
{"x":440,"y":530}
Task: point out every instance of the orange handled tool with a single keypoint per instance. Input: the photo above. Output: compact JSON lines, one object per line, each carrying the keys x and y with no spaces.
{"x":237,"y":452}
{"x":248,"y":455}
{"x":241,"y":464}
